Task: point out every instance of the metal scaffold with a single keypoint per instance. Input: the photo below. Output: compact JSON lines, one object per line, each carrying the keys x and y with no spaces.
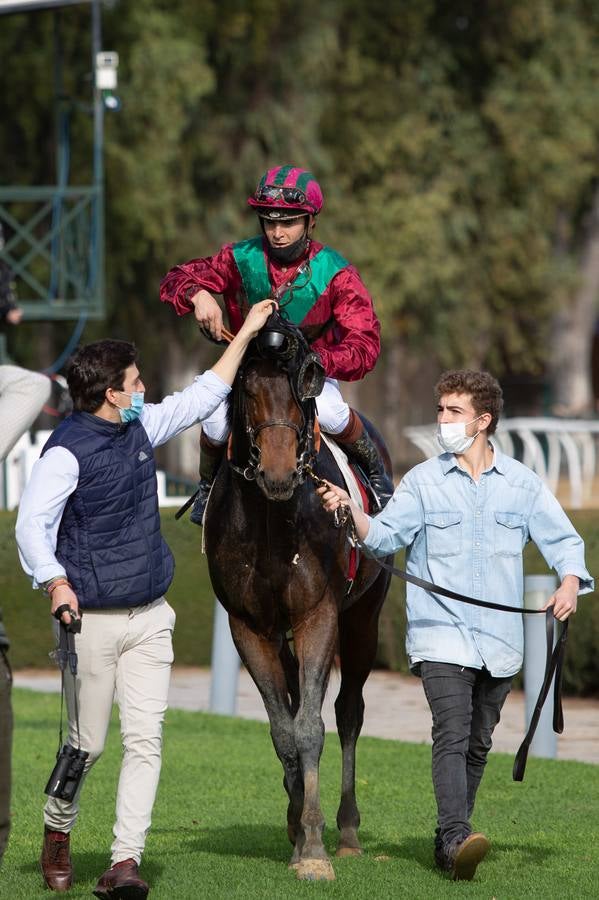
{"x":55,"y":233}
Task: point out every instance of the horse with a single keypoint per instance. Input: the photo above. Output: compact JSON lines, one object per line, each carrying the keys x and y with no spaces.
{"x":279,"y":567}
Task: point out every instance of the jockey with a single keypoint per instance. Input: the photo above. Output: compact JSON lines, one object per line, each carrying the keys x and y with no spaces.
{"x":316,"y":288}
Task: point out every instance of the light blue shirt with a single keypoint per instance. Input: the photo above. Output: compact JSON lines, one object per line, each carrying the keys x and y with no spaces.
{"x":468,"y":536}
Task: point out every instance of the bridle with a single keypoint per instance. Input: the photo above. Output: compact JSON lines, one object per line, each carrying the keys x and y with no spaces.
{"x":306,"y":451}
{"x":285,"y":344}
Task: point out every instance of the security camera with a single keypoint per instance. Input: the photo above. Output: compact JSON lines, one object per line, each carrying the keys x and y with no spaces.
{"x":107,"y":63}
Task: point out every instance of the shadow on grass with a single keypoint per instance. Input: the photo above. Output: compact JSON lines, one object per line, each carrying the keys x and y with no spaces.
{"x":419,"y":850}
{"x":256,"y":841}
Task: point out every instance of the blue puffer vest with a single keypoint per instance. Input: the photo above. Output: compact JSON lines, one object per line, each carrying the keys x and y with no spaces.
{"x":109,"y":538}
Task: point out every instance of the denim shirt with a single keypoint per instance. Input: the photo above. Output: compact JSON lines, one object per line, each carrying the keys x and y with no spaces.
{"x":469,"y":536}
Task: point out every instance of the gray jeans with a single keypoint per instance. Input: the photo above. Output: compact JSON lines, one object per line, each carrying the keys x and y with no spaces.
{"x":5,"y":748}
{"x":465,"y":705}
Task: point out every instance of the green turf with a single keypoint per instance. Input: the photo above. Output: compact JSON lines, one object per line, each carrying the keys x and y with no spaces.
{"x":219,"y":832}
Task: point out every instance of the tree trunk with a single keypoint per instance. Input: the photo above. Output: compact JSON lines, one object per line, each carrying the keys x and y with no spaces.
{"x":573,"y":330}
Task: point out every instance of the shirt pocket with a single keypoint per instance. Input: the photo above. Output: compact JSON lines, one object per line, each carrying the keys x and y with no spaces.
{"x":443,"y":533}
{"x":509,"y":533}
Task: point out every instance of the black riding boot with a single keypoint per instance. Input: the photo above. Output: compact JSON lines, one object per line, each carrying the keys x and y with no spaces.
{"x":362,"y":451}
{"x":210,"y":459}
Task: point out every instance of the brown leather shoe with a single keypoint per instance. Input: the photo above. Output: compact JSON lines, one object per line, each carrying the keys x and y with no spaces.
{"x":121,"y":882}
{"x":56,"y":864}
{"x":468,"y":855}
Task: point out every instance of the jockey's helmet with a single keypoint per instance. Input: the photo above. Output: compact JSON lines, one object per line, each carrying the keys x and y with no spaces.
{"x":287,"y":192}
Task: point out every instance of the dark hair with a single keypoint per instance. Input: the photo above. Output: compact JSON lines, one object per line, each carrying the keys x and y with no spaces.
{"x":95,"y":367}
{"x":486,"y":394}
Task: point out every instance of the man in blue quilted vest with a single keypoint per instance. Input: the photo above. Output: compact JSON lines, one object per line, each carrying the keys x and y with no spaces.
{"x":88,"y":533}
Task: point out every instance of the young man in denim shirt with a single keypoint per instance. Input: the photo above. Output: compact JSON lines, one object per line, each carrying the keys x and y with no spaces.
{"x":464,"y":517}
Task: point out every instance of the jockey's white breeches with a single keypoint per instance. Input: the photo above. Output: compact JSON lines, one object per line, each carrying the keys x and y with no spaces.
{"x":331,"y":408}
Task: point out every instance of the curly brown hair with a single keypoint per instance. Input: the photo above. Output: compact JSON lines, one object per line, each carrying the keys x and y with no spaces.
{"x":484,"y":390}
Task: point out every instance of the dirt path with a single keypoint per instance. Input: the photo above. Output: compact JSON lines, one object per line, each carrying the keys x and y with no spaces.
{"x":395,"y":709}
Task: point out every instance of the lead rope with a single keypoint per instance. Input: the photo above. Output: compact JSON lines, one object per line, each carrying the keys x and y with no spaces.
{"x":66,"y":654}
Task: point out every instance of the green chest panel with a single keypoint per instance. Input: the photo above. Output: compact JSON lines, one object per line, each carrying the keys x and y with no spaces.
{"x":302,"y":294}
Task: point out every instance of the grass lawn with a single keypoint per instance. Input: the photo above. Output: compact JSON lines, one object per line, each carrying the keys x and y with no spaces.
{"x":219,"y":831}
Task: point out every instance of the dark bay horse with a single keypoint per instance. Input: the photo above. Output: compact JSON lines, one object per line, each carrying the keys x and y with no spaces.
{"x":279,"y":567}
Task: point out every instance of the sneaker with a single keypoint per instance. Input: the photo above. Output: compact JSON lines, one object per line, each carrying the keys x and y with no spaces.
{"x":468,"y":855}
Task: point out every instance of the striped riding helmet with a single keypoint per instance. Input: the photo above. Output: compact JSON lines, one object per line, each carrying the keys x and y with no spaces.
{"x":287,"y":192}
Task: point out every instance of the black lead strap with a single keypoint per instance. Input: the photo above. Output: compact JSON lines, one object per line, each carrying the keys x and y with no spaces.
{"x":67,"y":656}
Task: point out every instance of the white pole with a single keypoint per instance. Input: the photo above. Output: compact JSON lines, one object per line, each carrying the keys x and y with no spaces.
{"x":537,"y":591}
{"x":225,"y":666}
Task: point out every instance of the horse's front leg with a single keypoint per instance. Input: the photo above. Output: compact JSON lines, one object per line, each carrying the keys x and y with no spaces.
{"x":261,"y":657}
{"x":315,"y":640}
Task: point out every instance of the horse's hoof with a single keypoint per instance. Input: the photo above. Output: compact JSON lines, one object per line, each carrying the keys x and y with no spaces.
{"x":315,"y":870}
{"x":348,"y":851}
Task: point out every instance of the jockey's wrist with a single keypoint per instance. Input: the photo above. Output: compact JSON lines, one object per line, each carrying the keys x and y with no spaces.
{"x":191,"y":292}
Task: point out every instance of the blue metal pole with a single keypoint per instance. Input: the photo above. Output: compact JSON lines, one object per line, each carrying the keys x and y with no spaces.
{"x":537,"y":591}
{"x":225,"y":666}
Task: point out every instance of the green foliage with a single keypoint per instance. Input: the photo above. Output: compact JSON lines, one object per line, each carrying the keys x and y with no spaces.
{"x":218,"y":827}
{"x":469,"y":140}
{"x":457,"y":147}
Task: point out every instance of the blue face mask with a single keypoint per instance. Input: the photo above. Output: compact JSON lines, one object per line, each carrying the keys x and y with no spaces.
{"x":133,"y":412}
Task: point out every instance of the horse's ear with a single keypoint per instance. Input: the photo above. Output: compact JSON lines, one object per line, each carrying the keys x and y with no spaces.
{"x":310,"y":377}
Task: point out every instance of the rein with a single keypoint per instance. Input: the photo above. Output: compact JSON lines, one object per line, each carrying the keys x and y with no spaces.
{"x":555,"y":655}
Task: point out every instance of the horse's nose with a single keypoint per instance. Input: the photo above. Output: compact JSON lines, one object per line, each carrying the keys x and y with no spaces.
{"x":278,"y":488}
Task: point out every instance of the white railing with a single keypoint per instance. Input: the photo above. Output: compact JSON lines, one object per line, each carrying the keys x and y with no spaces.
{"x":16,"y":469}
{"x":548,"y":446}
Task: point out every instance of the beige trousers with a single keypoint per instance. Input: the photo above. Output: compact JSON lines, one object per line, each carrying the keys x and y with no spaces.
{"x":127,"y":653}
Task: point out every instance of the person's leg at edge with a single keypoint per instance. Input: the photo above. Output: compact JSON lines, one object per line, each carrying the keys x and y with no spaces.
{"x":448,"y":689}
{"x":487,"y":702}
{"x":6,"y":724}
{"x":22,"y":397}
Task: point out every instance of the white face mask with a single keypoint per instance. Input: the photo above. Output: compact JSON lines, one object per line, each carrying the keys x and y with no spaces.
{"x":453,"y":438}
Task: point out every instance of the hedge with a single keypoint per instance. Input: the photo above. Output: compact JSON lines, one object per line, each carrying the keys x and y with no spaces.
{"x":192,"y":597}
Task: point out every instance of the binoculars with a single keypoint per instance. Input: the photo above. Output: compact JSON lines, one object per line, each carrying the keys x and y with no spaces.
{"x":67,"y":773}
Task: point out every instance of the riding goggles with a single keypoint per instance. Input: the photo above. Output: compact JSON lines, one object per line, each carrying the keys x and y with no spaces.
{"x":287,"y":194}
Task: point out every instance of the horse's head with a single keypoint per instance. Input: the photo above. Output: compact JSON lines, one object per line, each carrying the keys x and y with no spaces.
{"x":273,"y":428}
